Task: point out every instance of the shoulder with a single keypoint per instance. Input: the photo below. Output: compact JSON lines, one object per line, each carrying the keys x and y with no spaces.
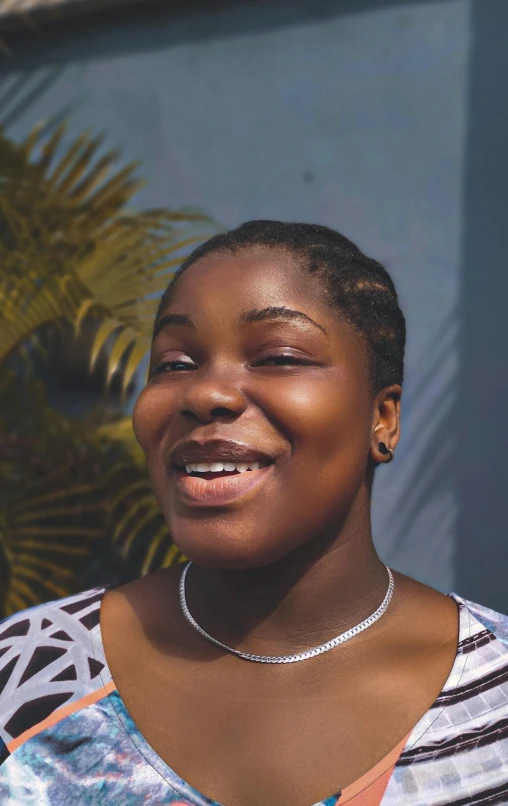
{"x":50,"y":656}
{"x":496,"y":623}
{"x":485,"y":620}
{"x":479,"y":690}
{"x":460,"y":746}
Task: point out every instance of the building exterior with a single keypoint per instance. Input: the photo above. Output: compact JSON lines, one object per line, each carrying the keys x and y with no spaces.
{"x":385,"y":119}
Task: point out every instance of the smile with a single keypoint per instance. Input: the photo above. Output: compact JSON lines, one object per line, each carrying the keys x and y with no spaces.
{"x":219,"y":487}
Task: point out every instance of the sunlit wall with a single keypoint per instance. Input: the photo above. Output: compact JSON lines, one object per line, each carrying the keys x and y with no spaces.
{"x":369,"y":117}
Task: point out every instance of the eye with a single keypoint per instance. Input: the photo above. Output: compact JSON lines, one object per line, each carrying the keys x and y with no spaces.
{"x":170,"y":366}
{"x":282,"y":360}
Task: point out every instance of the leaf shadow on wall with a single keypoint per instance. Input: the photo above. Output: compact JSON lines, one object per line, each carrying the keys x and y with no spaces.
{"x":415,"y":527}
{"x":20,"y":91}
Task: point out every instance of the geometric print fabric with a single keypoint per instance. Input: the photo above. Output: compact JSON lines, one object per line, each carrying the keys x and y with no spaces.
{"x":42,"y":663}
{"x":67,"y":738}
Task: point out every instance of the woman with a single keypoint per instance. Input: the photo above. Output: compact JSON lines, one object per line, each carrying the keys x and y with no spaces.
{"x":273,"y":395}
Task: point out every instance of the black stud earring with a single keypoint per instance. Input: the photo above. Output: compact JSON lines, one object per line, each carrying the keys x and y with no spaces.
{"x":385,"y":451}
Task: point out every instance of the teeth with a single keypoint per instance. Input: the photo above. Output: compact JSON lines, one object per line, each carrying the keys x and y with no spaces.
{"x":218,"y":467}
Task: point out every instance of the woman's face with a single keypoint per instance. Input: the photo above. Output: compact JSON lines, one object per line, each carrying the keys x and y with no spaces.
{"x":251,"y":365}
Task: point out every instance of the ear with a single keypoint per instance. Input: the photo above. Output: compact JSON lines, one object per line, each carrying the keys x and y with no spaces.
{"x":386,"y":423}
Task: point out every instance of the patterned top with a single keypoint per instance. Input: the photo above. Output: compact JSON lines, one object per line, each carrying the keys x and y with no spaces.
{"x":67,"y":738}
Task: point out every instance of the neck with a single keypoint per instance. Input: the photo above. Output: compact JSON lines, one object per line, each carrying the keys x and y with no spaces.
{"x":320,"y":590}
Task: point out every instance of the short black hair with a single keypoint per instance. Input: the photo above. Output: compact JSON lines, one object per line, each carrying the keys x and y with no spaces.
{"x":359,"y":287}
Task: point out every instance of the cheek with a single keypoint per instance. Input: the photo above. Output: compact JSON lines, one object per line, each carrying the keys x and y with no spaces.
{"x":149,"y":418}
{"x":326,"y":415}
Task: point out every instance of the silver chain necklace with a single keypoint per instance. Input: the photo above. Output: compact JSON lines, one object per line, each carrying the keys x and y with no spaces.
{"x":310,"y":653}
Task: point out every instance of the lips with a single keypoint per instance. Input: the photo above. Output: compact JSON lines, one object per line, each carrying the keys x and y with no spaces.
{"x":195,"y":491}
{"x":222,"y":489}
{"x":217,"y":450}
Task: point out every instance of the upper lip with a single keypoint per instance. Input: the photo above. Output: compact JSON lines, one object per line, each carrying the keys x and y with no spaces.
{"x":194,"y":451}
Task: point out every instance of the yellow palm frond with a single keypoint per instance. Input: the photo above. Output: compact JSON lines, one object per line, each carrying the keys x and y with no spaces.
{"x":63,"y":487}
{"x":121,"y":430}
{"x":71,"y":252}
{"x":70,"y":249}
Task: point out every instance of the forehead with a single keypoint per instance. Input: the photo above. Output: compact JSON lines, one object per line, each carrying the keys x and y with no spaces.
{"x":216,"y":290}
{"x":250,"y":277}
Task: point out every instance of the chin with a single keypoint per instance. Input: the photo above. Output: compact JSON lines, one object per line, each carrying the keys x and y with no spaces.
{"x":211,"y":548}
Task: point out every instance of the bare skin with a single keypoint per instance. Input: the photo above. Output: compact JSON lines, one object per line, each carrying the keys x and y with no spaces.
{"x":280,"y":569}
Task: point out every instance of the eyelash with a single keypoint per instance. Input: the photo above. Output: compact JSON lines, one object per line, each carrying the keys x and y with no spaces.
{"x":290,"y":359}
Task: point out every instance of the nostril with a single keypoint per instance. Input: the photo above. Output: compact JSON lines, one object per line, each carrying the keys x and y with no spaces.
{"x":221,"y":412}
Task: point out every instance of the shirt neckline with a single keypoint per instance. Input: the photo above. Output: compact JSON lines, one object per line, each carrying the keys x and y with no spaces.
{"x":196,"y":798}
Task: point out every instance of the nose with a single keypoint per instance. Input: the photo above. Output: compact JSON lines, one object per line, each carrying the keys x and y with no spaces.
{"x":213,"y":395}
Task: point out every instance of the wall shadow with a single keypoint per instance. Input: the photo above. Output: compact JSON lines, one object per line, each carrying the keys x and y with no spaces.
{"x":152,"y":24}
{"x":19,"y":92}
{"x":482,"y":541}
{"x":415,"y":511}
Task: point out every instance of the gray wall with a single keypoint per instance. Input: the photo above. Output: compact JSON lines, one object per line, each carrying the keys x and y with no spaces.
{"x":385,"y":120}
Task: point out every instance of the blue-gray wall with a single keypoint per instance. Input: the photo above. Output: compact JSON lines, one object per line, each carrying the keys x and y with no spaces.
{"x":385,"y":120}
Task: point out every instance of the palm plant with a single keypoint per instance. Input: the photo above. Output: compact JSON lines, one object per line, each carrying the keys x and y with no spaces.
{"x":73,"y":256}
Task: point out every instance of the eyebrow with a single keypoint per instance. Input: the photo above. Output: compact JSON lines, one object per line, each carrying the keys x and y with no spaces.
{"x":171,"y":319}
{"x":272,"y":313}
